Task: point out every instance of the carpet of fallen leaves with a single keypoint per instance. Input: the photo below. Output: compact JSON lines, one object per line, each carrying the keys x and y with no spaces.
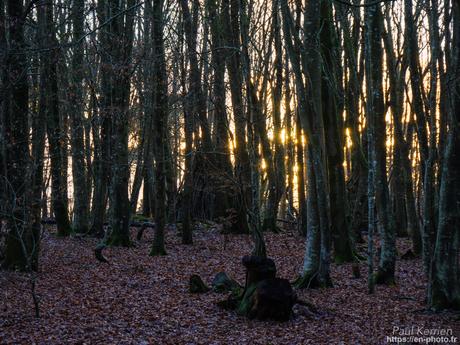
{"x":137,"y":299}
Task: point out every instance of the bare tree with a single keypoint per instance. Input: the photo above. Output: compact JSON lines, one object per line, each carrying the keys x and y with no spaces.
{"x":160,"y":102}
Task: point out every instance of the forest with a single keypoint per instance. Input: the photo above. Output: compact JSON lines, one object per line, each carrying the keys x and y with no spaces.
{"x":229,"y":171}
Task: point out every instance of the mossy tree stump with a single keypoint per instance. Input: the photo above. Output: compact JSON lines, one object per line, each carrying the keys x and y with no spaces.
{"x":196,"y":285}
{"x":265,"y":296}
{"x":223,"y":283}
{"x":258,"y":268}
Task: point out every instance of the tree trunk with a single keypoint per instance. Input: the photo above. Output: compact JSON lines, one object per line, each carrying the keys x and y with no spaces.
{"x":160,"y":126}
{"x":334,"y":130}
{"x":222,"y":141}
{"x":426,"y":160}
{"x":276,"y":187}
{"x":54,"y":127}
{"x":79,"y":166}
{"x":311,"y":115}
{"x":102,"y":133}
{"x":4,"y":102}
{"x":300,"y":153}
{"x":444,"y":289}
{"x":21,"y":245}
{"x":120,"y":52}
{"x":376,"y":116}
{"x":231,"y":14}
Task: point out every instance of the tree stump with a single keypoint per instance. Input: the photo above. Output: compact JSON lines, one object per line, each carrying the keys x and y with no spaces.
{"x":196,"y":285}
{"x":265,"y":296}
{"x":258,"y":268}
{"x":223,"y":283}
{"x":272,"y":299}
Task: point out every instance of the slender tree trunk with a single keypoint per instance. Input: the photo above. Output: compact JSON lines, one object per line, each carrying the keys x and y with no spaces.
{"x":123,"y":29}
{"x":401,"y":174}
{"x":259,"y":248}
{"x":289,"y":139}
{"x":189,"y":120}
{"x":54,"y":127}
{"x":242,"y":167}
{"x":277,"y":183}
{"x":222,"y":141}
{"x":376,"y":115}
{"x":334,"y":140}
{"x":400,"y":153}
{"x":102,"y":136}
{"x":79,"y":166}
{"x":357,"y":179}
{"x":300,"y":153}
{"x":426,"y":161}
{"x":38,"y":139}
{"x":311,"y":115}
{"x":160,"y":127}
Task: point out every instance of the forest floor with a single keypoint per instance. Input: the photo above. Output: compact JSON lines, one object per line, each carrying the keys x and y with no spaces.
{"x":137,"y":299}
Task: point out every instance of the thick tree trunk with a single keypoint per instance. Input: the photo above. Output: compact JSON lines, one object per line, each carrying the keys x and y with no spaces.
{"x":21,"y":244}
{"x":309,"y":277}
{"x":4,"y":101}
{"x":444,"y":289}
